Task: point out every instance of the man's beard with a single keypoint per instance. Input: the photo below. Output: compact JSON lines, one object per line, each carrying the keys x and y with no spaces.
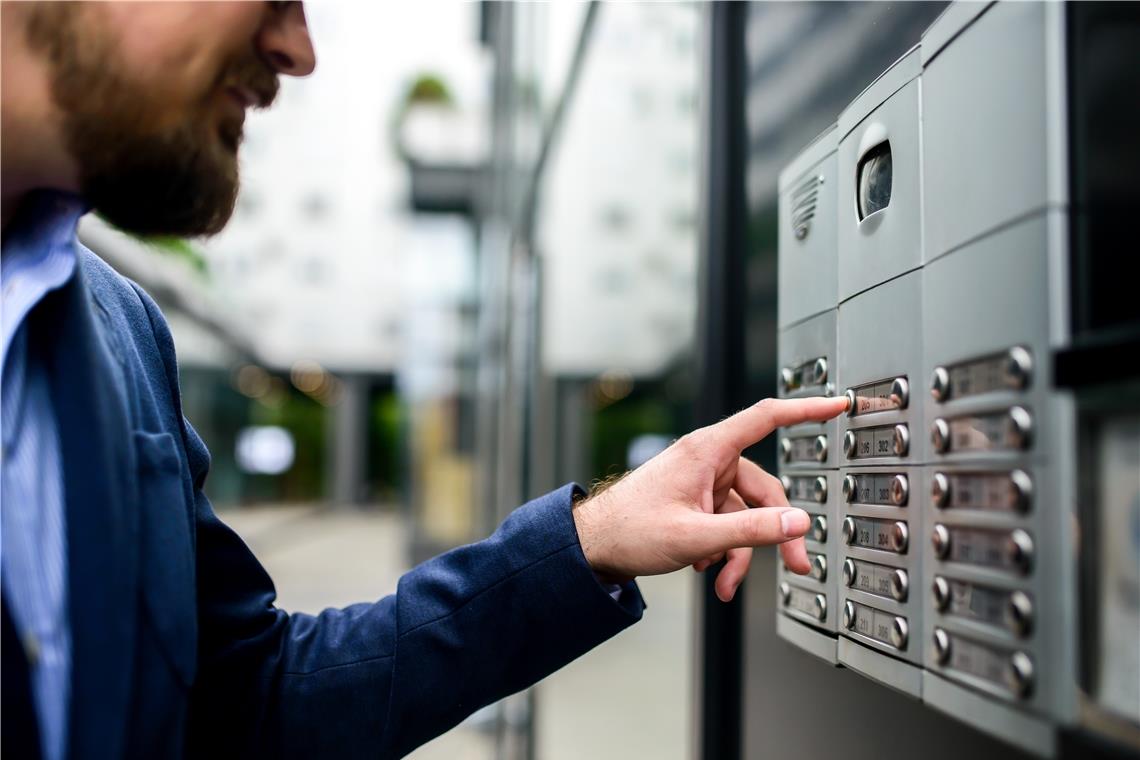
{"x":140,"y":176}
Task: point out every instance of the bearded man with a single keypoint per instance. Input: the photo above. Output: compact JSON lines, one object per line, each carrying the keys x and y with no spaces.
{"x":135,"y":623}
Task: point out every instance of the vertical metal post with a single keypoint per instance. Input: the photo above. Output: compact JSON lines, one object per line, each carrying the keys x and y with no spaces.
{"x":720,"y":349}
{"x":349,"y":442}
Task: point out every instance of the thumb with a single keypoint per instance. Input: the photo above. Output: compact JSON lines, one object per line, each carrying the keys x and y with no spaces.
{"x":762,"y":526}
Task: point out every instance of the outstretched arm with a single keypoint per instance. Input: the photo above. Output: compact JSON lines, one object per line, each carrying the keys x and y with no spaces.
{"x":377,"y":680}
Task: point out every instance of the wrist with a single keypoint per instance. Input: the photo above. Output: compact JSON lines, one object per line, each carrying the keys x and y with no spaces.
{"x":587,"y":513}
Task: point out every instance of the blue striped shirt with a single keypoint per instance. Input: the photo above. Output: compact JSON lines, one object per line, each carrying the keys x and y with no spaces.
{"x":39,"y":255}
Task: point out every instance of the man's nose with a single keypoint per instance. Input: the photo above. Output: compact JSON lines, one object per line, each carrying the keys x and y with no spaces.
{"x":284,"y":40}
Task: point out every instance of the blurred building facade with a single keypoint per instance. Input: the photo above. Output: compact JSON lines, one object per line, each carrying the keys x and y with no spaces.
{"x":585,"y":220}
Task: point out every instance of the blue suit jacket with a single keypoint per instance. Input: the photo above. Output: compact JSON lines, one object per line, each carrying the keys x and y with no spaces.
{"x":177,"y":647}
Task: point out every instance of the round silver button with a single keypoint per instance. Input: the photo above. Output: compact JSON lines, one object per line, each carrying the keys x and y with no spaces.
{"x":849,"y":444}
{"x":1019,"y":429}
{"x":849,"y":394}
{"x":786,"y":482}
{"x":850,"y":488}
{"x":899,"y":633}
{"x":1019,"y":613}
{"x":941,"y":593}
{"x":898,"y":490}
{"x":820,"y":446}
{"x":900,"y":392}
{"x":849,"y":572}
{"x":900,"y":585}
{"x":940,"y":436}
{"x":819,"y":528}
{"x":785,"y":593}
{"x":940,"y":489}
{"x":940,"y":384}
{"x":941,"y":646}
{"x":1019,"y":550}
{"x":820,"y":604}
{"x":1020,"y":491}
{"x":900,"y":537}
{"x":849,"y":530}
{"x":1019,"y":674}
{"x":819,"y":489}
{"x":1018,"y":368}
{"x":787,"y":379}
{"x":785,"y":449}
{"x":940,"y":540}
{"x":902,"y":440}
{"x":848,"y":615}
{"x":819,"y":371}
{"x":819,"y":567}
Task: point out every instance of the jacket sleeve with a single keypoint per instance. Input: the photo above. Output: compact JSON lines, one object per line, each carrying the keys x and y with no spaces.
{"x":377,"y":680}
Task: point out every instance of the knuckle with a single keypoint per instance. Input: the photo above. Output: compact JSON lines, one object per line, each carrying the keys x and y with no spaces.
{"x":767,"y":405}
{"x":689,"y":444}
{"x":768,"y":411}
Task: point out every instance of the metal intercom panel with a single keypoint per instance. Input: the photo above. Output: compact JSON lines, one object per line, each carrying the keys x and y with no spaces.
{"x":950,"y":489}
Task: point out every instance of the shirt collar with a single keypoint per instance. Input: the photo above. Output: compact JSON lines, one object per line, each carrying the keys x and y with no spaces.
{"x":39,"y":255}
{"x":46,"y":219}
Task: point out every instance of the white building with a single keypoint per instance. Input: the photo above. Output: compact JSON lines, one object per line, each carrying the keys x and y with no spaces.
{"x":617,"y":230}
{"x":315,"y":260}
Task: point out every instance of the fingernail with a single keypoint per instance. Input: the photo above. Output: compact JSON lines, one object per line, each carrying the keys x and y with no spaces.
{"x":794,"y":522}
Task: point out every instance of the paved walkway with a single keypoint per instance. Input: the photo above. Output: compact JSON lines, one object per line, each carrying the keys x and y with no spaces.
{"x":627,"y":699}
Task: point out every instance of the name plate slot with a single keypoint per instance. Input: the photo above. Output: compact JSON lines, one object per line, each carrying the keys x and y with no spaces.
{"x":808,"y":603}
{"x":1009,"y":370}
{"x":886,"y":489}
{"x":883,"y":396}
{"x":989,"y":491}
{"x":873,"y":442}
{"x":811,"y":488}
{"x":1005,"y":550}
{"x":810,"y":373}
{"x":870,"y":533}
{"x":1009,"y":673}
{"x":805,"y":448}
{"x":880,"y":580}
{"x":1011,"y":430}
{"x":883,"y":627}
{"x":1012,"y":610}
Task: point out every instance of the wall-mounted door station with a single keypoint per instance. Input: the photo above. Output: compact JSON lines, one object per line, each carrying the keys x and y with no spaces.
{"x":929,"y":270}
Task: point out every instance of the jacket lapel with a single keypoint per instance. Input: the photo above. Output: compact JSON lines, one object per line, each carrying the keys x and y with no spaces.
{"x":89,"y":395}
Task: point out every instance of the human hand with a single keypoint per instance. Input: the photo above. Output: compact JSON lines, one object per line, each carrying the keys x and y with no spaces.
{"x":689,"y":504}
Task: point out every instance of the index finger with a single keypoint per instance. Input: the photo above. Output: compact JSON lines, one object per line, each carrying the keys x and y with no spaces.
{"x":750,"y":425}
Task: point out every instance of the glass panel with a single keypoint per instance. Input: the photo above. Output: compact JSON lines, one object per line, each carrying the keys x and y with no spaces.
{"x":875,"y":180}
